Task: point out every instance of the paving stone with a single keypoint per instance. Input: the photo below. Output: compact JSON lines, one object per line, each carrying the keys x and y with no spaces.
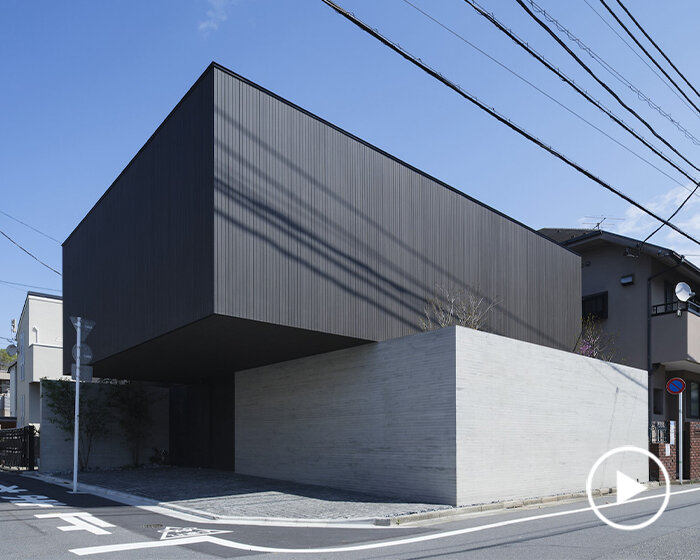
{"x":225,"y":493}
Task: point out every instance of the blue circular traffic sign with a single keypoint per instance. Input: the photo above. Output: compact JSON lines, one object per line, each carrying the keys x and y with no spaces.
{"x":675,"y":386}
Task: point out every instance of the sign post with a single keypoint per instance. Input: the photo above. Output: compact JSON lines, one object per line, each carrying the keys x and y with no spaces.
{"x":76,"y":427}
{"x":82,"y":328}
{"x":676,"y":386}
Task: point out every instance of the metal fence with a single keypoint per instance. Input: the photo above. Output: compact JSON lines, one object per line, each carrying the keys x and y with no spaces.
{"x":18,"y":447}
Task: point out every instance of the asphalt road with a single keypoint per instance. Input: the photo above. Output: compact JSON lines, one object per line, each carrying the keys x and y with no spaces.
{"x":40,"y":520}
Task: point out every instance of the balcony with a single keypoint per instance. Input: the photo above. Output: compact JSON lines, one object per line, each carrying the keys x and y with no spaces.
{"x":674,"y":338}
{"x":43,"y":361}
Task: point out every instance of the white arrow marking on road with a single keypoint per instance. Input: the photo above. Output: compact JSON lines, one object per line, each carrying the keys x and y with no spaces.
{"x":80,"y":521}
{"x":627,"y":488}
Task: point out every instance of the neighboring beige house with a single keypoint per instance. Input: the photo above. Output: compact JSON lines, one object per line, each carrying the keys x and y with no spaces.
{"x":632,"y":292}
{"x":39,"y":354}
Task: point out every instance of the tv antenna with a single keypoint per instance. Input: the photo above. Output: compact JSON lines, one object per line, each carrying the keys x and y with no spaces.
{"x":599,"y":220}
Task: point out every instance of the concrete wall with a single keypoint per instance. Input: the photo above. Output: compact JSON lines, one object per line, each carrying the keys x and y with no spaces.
{"x":453,"y":416}
{"x":377,"y":418}
{"x":109,"y":451}
{"x":531,"y":420}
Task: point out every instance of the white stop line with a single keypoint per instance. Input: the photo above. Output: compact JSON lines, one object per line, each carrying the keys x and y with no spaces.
{"x":398,"y":542}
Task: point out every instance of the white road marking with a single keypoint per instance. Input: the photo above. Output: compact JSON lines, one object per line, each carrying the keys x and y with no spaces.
{"x":14,"y":489}
{"x":353,"y":548}
{"x":80,"y":521}
{"x":36,"y":500}
{"x":181,"y":532}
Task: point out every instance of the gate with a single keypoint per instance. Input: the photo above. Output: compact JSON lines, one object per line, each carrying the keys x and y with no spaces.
{"x":18,"y":447}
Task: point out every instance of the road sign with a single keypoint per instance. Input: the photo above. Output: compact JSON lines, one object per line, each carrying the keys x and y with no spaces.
{"x":675,"y":386}
{"x":85,"y":373}
{"x":85,"y":354}
{"x":86,"y":325}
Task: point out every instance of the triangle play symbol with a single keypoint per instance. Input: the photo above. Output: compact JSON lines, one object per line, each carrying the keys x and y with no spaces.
{"x":627,"y":488}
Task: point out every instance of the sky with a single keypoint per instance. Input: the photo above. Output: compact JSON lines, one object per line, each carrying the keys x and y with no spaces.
{"x":85,"y":83}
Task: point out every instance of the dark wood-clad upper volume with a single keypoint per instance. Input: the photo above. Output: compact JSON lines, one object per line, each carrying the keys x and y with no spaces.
{"x":245,"y":219}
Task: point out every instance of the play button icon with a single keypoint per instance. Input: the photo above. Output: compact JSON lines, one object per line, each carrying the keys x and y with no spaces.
{"x":627,"y":488}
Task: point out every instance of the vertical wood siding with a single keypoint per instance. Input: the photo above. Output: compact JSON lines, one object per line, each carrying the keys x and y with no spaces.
{"x":316,"y":229}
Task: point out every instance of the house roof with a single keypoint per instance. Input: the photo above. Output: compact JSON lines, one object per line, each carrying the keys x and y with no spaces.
{"x":579,"y":240}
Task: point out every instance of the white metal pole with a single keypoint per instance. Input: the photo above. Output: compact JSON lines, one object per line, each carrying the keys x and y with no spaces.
{"x":680,"y":437}
{"x":77,"y":410}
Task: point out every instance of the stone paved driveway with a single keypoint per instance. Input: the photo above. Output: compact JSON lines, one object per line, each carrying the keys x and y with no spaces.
{"x":228,"y":494}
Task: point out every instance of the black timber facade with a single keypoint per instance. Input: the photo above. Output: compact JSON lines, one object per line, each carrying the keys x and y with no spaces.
{"x":249,"y":231}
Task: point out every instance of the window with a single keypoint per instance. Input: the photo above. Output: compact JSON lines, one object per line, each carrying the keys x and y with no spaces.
{"x":596,"y":305}
{"x":658,"y":401}
{"x":694,"y":400}
{"x":669,"y":293}
{"x":20,"y":358}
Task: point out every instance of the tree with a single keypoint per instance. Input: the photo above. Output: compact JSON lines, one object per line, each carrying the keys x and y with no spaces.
{"x":132,"y":405}
{"x":595,"y":342}
{"x":455,"y":307}
{"x":94,"y":413}
{"x":5,"y":358}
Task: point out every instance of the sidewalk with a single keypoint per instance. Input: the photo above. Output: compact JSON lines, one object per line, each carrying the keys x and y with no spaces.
{"x":226,"y":494}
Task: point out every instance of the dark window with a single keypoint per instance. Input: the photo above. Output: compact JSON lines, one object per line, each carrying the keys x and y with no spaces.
{"x":694,"y":400}
{"x":596,"y":305}
{"x":658,"y":401}
{"x":669,"y":293}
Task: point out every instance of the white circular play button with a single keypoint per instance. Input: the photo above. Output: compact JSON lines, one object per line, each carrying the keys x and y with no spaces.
{"x":627,"y":488}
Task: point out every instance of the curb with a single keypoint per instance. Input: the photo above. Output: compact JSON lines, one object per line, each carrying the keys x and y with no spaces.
{"x":509,"y":504}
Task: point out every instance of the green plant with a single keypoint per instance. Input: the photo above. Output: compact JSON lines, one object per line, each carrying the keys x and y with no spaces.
{"x":131,"y":403}
{"x":94,"y":413}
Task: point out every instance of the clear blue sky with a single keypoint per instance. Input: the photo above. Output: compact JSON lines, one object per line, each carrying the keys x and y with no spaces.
{"x":85,"y":83}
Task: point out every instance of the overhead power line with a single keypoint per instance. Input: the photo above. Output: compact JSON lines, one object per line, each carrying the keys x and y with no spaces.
{"x":590,"y":72}
{"x":37,"y":259}
{"x":617,"y":98}
{"x":551,"y":67}
{"x":649,"y":56}
{"x":658,"y":48}
{"x":494,"y":113}
{"x":551,"y":98}
{"x":613,"y":72}
{"x":20,"y":284}
{"x":30,"y":227}
{"x":639,"y":56}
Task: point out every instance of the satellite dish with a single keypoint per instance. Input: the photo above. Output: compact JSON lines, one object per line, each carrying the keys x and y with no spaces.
{"x":11,"y":350}
{"x":683,"y":291}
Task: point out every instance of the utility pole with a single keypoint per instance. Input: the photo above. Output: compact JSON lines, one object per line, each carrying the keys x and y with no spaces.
{"x":77,"y":405}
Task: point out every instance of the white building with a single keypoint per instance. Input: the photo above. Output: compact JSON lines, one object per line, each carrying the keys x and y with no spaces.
{"x":39,"y":354}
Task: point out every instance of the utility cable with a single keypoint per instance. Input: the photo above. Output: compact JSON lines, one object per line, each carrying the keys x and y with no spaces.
{"x":657,"y":47}
{"x":591,"y":73}
{"x":30,"y":227}
{"x":29,"y":286}
{"x":37,"y":259}
{"x":553,"y":99}
{"x":649,"y":56}
{"x":583,"y":65}
{"x":639,"y":56}
{"x":492,"y":19}
{"x":498,"y":116}
{"x":617,"y":75}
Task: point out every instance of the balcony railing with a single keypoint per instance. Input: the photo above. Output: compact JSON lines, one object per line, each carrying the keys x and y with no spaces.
{"x":673,"y":307}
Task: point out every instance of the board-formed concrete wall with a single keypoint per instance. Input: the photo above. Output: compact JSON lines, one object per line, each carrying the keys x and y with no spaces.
{"x":531,"y":421}
{"x":110,"y":450}
{"x":377,"y":418}
{"x":453,"y":416}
